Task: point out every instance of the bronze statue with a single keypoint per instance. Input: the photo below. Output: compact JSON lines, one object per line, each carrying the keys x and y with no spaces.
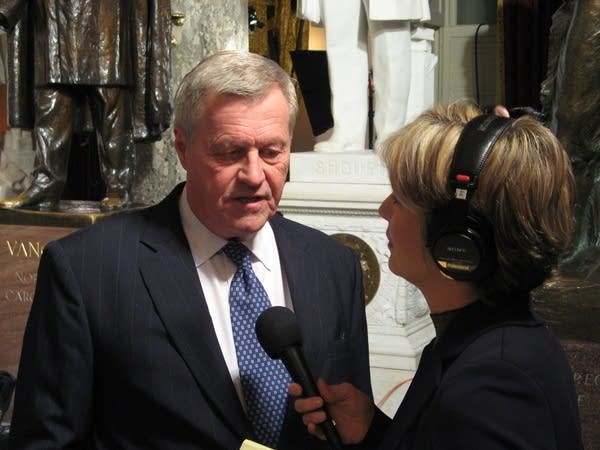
{"x":571,"y":99}
{"x":111,"y":56}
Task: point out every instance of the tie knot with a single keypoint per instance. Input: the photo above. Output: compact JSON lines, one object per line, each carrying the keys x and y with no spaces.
{"x":237,"y":252}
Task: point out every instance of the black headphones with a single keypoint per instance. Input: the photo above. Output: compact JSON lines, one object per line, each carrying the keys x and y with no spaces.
{"x":460,"y":240}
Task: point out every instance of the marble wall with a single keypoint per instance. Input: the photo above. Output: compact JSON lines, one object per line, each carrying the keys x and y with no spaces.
{"x":208,"y":27}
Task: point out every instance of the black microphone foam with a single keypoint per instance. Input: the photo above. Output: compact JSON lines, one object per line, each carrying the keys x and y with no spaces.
{"x":279,"y":335}
{"x":276,"y":329}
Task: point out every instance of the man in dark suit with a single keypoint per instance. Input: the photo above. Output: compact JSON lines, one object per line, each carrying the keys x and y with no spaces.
{"x":129,"y":343}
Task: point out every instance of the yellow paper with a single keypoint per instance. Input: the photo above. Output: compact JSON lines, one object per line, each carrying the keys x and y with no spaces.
{"x":251,"y":445}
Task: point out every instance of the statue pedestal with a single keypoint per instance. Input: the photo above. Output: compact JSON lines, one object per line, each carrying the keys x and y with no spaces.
{"x":570,"y":304}
{"x":23,"y":235}
{"x":339,"y":194}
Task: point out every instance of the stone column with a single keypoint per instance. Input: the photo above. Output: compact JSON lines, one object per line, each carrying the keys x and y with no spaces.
{"x":208,"y":27}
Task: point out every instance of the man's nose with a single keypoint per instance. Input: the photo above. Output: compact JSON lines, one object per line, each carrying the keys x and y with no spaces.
{"x":252,"y":170}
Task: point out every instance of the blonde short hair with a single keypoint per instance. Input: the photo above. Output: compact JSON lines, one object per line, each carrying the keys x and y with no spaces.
{"x":526,"y":189}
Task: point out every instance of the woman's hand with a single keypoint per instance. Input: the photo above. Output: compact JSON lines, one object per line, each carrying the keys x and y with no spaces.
{"x":351,"y":410}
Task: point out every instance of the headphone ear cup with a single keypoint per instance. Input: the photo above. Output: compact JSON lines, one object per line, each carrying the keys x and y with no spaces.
{"x":462,"y":247}
{"x":435,"y":226}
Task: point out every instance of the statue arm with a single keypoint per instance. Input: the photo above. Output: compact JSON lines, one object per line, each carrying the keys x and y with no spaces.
{"x":20,"y":63}
{"x":151,"y":47}
{"x":158,"y":108}
{"x":310,"y":10}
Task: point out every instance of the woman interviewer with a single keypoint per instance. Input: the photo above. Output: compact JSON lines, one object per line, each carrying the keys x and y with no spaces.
{"x":480,"y":211}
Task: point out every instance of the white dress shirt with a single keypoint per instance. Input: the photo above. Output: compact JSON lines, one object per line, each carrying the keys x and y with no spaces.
{"x":216,"y":271}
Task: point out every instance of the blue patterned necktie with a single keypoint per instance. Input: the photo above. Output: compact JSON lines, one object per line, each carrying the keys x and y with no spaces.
{"x":264,"y":380}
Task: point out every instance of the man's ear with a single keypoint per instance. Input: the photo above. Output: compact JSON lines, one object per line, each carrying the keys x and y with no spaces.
{"x":181,"y":146}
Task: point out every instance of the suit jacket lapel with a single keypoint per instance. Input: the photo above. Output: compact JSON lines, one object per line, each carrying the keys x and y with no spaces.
{"x":302,"y":284}
{"x":168,"y":269}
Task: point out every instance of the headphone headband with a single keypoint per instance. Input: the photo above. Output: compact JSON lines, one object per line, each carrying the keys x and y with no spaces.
{"x":473,"y":147}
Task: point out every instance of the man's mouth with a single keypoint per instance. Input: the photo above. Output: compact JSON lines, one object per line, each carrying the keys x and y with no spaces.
{"x":250,"y":199}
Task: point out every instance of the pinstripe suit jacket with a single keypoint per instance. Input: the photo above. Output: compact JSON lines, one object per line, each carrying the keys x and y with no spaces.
{"x":120,"y":351}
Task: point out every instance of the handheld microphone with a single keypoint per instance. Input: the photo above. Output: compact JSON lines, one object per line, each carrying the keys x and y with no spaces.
{"x":279,"y":335}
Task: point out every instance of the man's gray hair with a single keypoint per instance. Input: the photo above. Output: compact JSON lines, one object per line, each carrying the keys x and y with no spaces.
{"x":238,"y":73}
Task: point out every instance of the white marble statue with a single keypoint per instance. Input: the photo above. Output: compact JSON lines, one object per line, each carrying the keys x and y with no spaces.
{"x":352,"y":28}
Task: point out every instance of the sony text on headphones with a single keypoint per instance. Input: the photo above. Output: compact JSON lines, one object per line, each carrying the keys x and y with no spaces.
{"x":460,"y":240}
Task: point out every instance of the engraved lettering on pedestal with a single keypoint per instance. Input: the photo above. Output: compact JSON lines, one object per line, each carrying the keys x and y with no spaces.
{"x":18,"y":295}
{"x":354,"y":169}
{"x":586,"y":382}
{"x":26,"y":278}
{"x":26,"y":249}
{"x":23,"y":292}
{"x":584,"y":357}
{"x":20,"y":288}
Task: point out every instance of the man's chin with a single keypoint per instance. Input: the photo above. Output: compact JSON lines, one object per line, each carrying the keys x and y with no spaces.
{"x":246,"y":226}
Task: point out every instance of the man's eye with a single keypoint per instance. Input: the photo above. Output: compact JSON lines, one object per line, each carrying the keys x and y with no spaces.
{"x":270,"y":153}
{"x":230,"y":153}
